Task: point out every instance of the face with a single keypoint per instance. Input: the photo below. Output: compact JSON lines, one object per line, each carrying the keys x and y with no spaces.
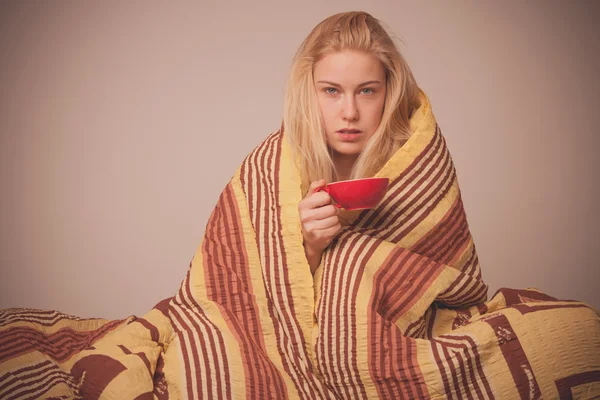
{"x":351,"y":89}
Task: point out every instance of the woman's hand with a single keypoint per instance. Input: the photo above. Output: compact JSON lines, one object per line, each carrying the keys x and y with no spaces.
{"x":320,"y":223}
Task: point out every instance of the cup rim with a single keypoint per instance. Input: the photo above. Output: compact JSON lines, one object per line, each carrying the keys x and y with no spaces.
{"x":358,"y":180}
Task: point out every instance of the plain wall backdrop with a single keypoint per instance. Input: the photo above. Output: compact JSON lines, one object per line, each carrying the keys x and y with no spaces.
{"x":120,"y":124}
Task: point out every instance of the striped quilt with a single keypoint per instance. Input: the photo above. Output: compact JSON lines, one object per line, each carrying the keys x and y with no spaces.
{"x":396,"y":310}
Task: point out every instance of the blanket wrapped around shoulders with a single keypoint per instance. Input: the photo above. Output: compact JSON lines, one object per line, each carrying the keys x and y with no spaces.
{"x":397,"y":308}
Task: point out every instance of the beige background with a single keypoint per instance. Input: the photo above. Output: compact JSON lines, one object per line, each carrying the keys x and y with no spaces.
{"x":121,"y":123}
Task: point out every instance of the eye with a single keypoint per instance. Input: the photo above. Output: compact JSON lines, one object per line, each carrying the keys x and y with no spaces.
{"x":330,"y":90}
{"x":367,"y":91}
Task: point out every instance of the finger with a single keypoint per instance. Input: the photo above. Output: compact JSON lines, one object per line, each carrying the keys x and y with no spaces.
{"x":319,"y":213}
{"x":315,"y":200}
{"x":315,"y":185}
{"x":332,"y":231}
{"x":325,"y":224}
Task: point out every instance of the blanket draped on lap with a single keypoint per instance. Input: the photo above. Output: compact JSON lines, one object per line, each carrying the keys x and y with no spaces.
{"x":397,"y":308}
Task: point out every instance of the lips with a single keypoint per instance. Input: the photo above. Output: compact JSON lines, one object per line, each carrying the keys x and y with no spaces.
{"x":349,"y":135}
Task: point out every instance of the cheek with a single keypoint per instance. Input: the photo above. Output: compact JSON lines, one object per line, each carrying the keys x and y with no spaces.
{"x":328,"y":112}
{"x":375,"y":112}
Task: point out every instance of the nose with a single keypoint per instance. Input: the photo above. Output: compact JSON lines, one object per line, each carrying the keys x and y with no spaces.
{"x":349,"y":109}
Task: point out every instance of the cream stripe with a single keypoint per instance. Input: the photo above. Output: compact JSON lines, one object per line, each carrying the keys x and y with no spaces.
{"x":347,"y":305}
{"x":338,"y":298}
{"x":334,"y":285}
{"x":472,"y":363}
{"x":469,"y":365}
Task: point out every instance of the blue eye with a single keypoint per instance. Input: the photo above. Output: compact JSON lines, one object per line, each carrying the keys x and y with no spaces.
{"x":330,"y":90}
{"x":367,"y":91}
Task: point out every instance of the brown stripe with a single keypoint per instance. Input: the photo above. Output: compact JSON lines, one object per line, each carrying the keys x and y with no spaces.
{"x":325,"y":357}
{"x":401,"y":204}
{"x":402,"y":361}
{"x":277,"y":387}
{"x":466,"y":344}
{"x":178,"y":325}
{"x":198,"y":357}
{"x":514,"y":296}
{"x":244,"y":310}
{"x":435,"y":345}
{"x":347,"y":270}
{"x":10,"y":378}
{"x":218,"y":268}
{"x":471,"y":263}
{"x":464,"y":376}
{"x":229,"y":264}
{"x":434,"y":240}
{"x":409,"y":175}
{"x":564,"y":385}
{"x":272,"y":194}
{"x":515,"y":356}
{"x":192,"y":364}
{"x":163,"y":306}
{"x":528,"y":308}
{"x":333,"y":322}
{"x":470,"y":291}
{"x":141,"y":355}
{"x":43,"y":321}
{"x":279,"y":290}
{"x":426,"y":275}
{"x":59,"y":345}
{"x":414,"y":327}
{"x":457,"y":240}
{"x":212,"y":331}
{"x":44,"y":383}
{"x":154,"y":335}
{"x":373,"y":245}
{"x":434,"y":198}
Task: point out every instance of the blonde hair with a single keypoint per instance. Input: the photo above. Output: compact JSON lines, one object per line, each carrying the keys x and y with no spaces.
{"x":302,"y":121}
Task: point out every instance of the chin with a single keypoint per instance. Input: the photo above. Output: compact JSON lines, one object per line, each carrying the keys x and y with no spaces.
{"x":347,"y":149}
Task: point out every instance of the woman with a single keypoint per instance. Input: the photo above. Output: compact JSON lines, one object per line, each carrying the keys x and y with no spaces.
{"x":349,"y":99}
{"x":288,"y":298}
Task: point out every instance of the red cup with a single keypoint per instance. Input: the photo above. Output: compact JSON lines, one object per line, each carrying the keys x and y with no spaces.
{"x":357,"y":194}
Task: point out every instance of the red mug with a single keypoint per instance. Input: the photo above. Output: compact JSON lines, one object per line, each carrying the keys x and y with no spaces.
{"x":357,"y":194}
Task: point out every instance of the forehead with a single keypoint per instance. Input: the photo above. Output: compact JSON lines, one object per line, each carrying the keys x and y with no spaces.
{"x":349,"y":67}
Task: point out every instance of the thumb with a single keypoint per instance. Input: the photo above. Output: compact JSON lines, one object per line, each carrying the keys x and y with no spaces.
{"x":315,"y":185}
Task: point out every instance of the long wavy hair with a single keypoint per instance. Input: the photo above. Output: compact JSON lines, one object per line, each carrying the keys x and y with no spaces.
{"x":302,"y":119}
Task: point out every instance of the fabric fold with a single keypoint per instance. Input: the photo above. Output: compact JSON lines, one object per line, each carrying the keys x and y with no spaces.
{"x":397,"y":308}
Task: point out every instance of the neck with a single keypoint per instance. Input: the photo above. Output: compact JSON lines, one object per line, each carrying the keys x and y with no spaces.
{"x":343,"y":165}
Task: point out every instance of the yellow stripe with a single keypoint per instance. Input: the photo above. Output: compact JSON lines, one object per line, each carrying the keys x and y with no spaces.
{"x":423,"y":127}
{"x":301,"y":280}
{"x":174,"y":369}
{"x":213,"y":313}
{"x":258,"y":288}
{"x":434,"y":217}
{"x":365,"y":291}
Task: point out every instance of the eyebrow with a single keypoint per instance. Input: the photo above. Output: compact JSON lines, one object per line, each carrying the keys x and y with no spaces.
{"x":362,"y":84}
